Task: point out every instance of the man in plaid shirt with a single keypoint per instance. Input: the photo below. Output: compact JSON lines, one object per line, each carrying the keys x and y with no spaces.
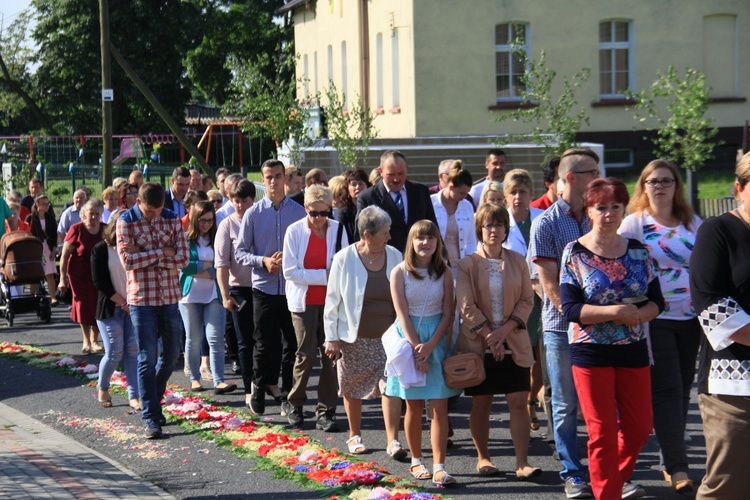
{"x":152,"y":248}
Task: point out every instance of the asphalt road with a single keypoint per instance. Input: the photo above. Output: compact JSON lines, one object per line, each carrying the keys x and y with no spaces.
{"x":190,"y":467}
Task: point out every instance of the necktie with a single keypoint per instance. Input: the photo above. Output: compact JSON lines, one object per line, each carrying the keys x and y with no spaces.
{"x":400,"y":205}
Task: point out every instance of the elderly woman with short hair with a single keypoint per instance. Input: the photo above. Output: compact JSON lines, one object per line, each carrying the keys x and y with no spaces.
{"x":309,"y":247}
{"x":358,"y":310}
{"x":75,"y":271}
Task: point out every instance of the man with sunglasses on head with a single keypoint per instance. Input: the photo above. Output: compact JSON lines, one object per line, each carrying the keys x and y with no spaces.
{"x":259,"y":245}
{"x":561,"y":223}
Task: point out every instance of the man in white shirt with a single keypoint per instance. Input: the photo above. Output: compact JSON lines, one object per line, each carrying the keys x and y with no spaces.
{"x":495,"y":165}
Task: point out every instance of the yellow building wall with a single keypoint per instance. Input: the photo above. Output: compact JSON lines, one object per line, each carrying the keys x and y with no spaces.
{"x":337,"y":21}
{"x":455,"y":55}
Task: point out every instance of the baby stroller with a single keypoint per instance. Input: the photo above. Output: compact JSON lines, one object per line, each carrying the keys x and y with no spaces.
{"x":21,"y":257}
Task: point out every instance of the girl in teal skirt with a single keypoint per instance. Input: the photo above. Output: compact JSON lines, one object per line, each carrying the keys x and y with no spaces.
{"x":424,"y":303}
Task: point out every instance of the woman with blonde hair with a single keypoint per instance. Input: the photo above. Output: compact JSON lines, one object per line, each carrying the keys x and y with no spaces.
{"x":663,"y":221}
{"x":517,"y":189}
{"x":455,"y":215}
{"x":492,"y":193}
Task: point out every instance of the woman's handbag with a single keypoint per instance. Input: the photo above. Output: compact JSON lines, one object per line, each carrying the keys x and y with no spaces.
{"x":464,"y":369}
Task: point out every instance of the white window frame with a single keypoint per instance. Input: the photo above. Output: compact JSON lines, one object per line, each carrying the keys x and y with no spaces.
{"x":611,"y":47}
{"x":506,"y":49}
{"x":379,"y":71}
{"x":395,"y":77}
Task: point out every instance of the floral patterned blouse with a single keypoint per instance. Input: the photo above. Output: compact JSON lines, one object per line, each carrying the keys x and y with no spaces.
{"x":670,"y":248}
{"x":587,"y":278}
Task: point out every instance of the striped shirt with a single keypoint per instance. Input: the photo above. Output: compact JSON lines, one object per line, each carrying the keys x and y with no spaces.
{"x":550,"y":233}
{"x":153,"y":278}
{"x":261,"y":235}
{"x":225,"y":246}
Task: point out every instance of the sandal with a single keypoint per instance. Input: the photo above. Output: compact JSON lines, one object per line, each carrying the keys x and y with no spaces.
{"x":96,"y":347}
{"x":442,"y":478}
{"x":355,"y":445}
{"x":533,"y":421}
{"x":106,"y":403}
{"x":135,"y":405}
{"x":395,"y":451}
{"x":86,"y":349}
{"x":419,"y":471}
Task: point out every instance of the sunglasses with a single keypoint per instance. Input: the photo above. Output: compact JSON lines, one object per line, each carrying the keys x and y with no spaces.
{"x":313,"y":214}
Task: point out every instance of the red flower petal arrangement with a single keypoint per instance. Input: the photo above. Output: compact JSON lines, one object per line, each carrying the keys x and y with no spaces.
{"x":291,"y":454}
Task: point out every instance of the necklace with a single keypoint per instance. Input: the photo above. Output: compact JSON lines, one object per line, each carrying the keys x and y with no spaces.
{"x":371,"y":261}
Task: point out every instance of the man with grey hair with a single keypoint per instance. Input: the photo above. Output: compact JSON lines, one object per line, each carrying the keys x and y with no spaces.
{"x":71,"y":215}
{"x":443,"y":172}
{"x":404,"y":201}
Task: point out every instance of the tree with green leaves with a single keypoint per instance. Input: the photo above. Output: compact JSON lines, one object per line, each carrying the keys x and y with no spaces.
{"x":263,"y":94}
{"x":683,"y":134}
{"x":234,"y":30}
{"x":551,"y":112}
{"x":18,"y":102}
{"x":153,"y":36}
{"x":350,"y":127}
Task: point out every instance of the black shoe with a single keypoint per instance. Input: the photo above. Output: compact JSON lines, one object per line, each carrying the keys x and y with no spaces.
{"x":236,"y":368}
{"x":161,"y":420}
{"x":327,"y":424}
{"x":293,"y":414}
{"x":257,"y":401}
{"x":153,"y":430}
{"x":226,"y":389}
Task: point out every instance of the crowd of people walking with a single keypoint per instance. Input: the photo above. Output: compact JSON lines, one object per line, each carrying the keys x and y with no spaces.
{"x":595,"y":297}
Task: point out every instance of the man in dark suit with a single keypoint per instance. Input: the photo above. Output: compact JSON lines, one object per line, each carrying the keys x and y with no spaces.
{"x":175,"y":195}
{"x":405,"y":201}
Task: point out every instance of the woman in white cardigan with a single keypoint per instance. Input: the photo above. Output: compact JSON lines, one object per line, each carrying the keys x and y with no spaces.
{"x":309,"y":247}
{"x":358,"y":310}
{"x":455,"y":215}
{"x":517,"y":190}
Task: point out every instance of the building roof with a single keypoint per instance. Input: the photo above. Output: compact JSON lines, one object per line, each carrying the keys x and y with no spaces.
{"x":293,"y":4}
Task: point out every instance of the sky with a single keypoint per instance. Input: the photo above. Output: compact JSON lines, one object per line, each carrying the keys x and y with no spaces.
{"x":10,"y":8}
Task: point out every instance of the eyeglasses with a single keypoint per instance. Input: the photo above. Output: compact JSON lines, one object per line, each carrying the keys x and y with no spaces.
{"x":666,"y":182}
{"x":493,"y":227}
{"x":313,"y":214}
{"x":217,"y":201}
{"x":132,"y":193}
{"x":593,"y":171}
{"x":206,"y":221}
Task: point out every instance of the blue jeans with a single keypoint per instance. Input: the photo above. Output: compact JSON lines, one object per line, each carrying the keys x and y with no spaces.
{"x":209,"y":318}
{"x":564,"y":402}
{"x":119,"y":346}
{"x":151,"y":325}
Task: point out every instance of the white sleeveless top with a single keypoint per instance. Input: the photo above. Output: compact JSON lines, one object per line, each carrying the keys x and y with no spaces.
{"x":416,"y":291}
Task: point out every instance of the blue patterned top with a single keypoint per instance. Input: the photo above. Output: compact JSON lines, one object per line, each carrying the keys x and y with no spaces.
{"x":590,"y":279}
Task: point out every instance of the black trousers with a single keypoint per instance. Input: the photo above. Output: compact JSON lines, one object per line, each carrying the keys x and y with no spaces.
{"x":275,"y":341}
{"x":244,"y":328}
{"x":675,"y":347}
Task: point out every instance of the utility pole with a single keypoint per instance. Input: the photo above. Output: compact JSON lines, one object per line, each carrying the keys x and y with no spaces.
{"x":106,"y":88}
